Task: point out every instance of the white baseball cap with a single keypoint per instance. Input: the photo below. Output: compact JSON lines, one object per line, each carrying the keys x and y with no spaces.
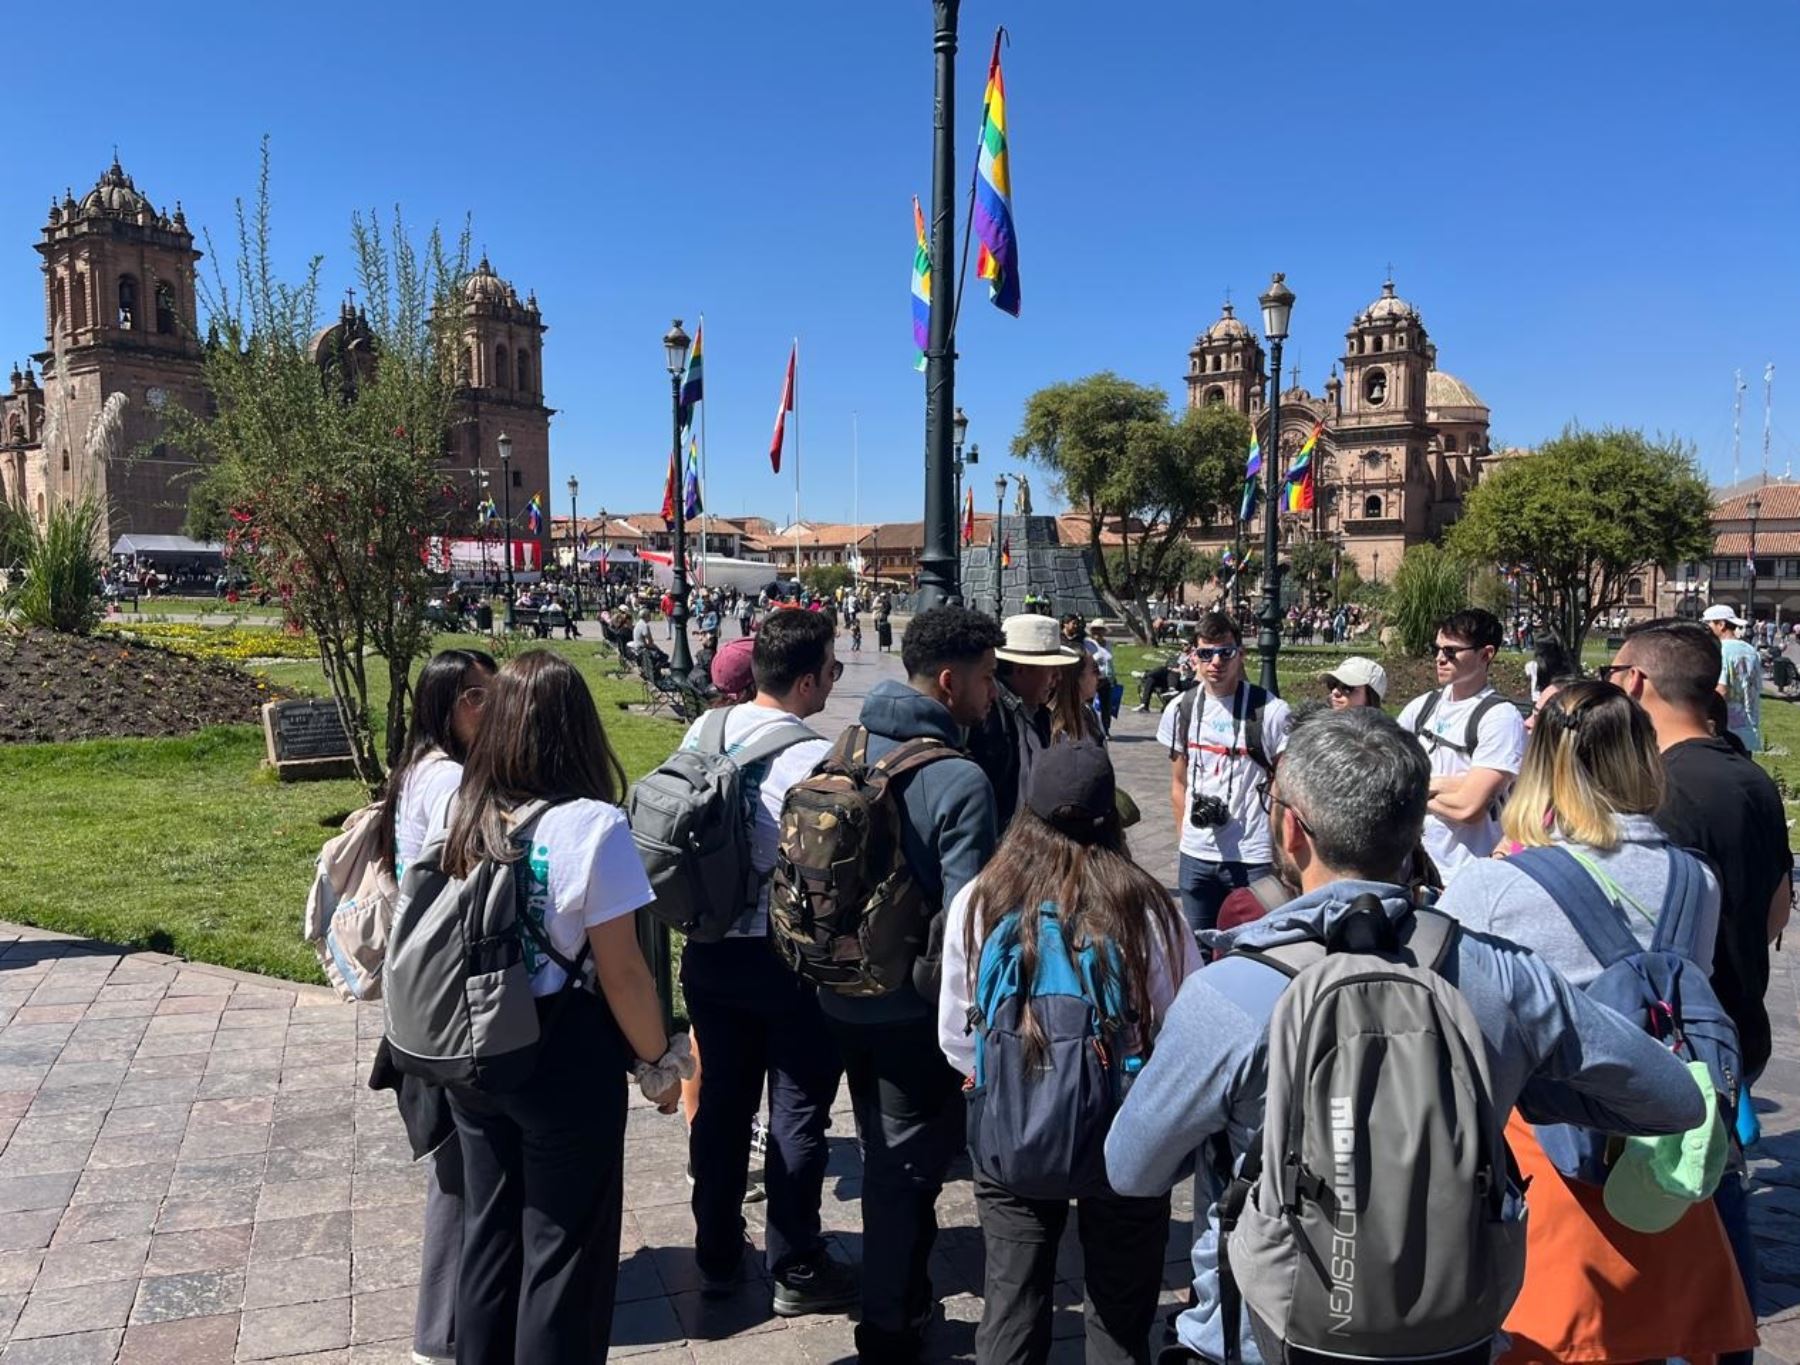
{"x":1357,"y":671}
{"x":1722,"y":611}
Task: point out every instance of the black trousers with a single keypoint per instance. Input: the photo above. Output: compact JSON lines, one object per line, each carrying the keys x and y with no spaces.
{"x":1122,"y":1245}
{"x":756,"y":1020}
{"x":543,"y":1185}
{"x":909,"y":1114}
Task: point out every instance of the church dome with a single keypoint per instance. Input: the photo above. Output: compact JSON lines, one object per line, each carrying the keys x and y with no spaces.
{"x":115,"y":194}
{"x":484,"y":286}
{"x":1228,"y":327}
{"x":1445,"y":392}
{"x":1389,"y":305}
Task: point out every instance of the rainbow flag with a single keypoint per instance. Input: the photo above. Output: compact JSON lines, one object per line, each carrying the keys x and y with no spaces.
{"x":968,"y":526}
{"x":1300,"y":486}
{"x":534,"y":514}
{"x":693,"y":381}
{"x":998,"y":260}
{"x":921,"y":288}
{"x":692,"y":495}
{"x":1252,"y":468}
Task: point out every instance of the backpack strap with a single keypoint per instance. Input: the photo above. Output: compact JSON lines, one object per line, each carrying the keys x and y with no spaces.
{"x":1429,"y":937}
{"x":1431,"y":704}
{"x":1184,"y":719}
{"x":1472,"y":731}
{"x":906,"y":757}
{"x":1587,"y":907}
{"x":1290,"y":959}
{"x":1678,"y":922}
{"x":711,"y":739}
{"x":773,"y":740}
{"x":1256,"y":703}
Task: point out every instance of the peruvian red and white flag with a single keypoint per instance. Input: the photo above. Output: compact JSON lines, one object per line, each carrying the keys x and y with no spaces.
{"x":787,"y":406}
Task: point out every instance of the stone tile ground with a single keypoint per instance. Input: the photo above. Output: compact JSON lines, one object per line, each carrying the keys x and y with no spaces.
{"x":192,"y":1172}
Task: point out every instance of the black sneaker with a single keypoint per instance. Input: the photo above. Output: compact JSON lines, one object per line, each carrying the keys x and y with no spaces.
{"x":722,"y":1285}
{"x":821,"y":1285}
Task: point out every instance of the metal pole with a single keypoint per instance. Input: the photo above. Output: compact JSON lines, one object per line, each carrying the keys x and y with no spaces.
{"x":1269,"y":641}
{"x":938,"y":568}
{"x":1750,"y":566}
{"x":999,"y":581}
{"x":574,"y":550}
{"x":679,"y":657}
{"x":506,"y":496}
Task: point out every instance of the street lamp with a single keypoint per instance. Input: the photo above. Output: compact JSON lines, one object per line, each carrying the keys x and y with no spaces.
{"x":1755,"y":509}
{"x":574,"y":543}
{"x":959,"y":428}
{"x":506,"y":495}
{"x":1277,"y":308}
{"x":999,"y":582}
{"x":602,"y":584}
{"x":675,"y":348}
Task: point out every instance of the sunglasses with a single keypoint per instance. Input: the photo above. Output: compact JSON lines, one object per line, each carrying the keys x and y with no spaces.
{"x":1605,"y":671}
{"x":1223,"y":653}
{"x":1451,"y":651}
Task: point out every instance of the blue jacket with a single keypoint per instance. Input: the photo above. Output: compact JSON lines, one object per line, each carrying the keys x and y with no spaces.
{"x":948,"y":837}
{"x":1554,"y":1054}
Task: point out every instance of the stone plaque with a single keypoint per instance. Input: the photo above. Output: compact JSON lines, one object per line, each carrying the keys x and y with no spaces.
{"x":306,"y":739}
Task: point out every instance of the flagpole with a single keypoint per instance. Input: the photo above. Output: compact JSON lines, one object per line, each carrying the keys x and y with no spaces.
{"x":796,"y":410}
{"x":855,"y":505}
{"x":705,"y":508}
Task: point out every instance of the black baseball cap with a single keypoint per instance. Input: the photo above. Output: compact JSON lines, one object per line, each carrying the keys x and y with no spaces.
{"x":1071,"y":787}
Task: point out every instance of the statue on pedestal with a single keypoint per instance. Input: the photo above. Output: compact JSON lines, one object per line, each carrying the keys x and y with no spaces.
{"x":1022,"y":502}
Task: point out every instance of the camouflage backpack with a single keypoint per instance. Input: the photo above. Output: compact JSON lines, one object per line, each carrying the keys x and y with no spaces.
{"x":845,"y":910}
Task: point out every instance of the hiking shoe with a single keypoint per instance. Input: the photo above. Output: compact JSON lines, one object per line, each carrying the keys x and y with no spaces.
{"x":723,"y":1284}
{"x":755,"y":1191}
{"x":821,"y":1285}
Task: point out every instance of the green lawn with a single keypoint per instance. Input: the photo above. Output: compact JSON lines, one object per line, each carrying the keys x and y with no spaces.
{"x":190,"y":846}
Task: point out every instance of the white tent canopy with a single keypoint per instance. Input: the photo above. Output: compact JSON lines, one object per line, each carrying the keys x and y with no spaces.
{"x":137,"y":543}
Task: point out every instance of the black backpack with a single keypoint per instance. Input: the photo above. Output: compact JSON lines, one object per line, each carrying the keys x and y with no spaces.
{"x":1253,"y":724}
{"x":1471,"y":730}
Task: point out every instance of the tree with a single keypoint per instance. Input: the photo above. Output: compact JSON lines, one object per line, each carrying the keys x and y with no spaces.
{"x":1578,"y":519}
{"x":1429,"y":585}
{"x":327,"y":463}
{"x":1118,"y":457}
{"x":1310,"y":562}
{"x":60,"y":561}
{"x":826,"y":579}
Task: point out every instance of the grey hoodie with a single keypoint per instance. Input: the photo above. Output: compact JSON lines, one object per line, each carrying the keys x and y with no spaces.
{"x":948,"y":836}
{"x":1553,"y":1053}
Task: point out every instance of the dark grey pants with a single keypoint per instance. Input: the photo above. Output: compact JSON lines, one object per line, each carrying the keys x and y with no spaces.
{"x":434,"y":1320}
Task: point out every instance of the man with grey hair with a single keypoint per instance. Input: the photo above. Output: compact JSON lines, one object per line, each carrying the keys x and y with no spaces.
{"x":1346,"y":809}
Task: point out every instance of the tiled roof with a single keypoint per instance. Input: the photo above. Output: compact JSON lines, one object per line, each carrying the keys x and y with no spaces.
{"x":1767,"y":543}
{"x":1780,"y":502}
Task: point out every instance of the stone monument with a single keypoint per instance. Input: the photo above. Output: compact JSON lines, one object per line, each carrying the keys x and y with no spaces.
{"x":1041,"y":564}
{"x":306,"y":740}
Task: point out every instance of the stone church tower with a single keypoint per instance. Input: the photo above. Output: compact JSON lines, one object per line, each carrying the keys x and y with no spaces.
{"x":120,"y":323}
{"x":1226,"y":366}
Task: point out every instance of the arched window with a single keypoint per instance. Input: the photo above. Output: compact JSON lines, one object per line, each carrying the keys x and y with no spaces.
{"x":1378,"y":343}
{"x":1634,"y":589}
{"x":78,"y":301}
{"x":1372,"y":506}
{"x":466,"y":369}
{"x":128,"y":302}
{"x":500,"y":374}
{"x":1450,"y":443}
{"x":1215,"y":395}
{"x":15,"y":430}
{"x":1375,"y":388}
{"x":165,"y":310}
{"x":524,"y":371}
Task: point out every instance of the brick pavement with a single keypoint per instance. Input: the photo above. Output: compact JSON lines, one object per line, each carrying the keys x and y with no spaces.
{"x":193,"y":1171}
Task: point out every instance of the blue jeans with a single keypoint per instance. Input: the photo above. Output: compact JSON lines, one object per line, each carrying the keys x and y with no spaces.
{"x":1204,"y":886}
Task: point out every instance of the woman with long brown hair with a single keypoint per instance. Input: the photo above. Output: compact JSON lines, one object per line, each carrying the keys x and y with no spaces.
{"x":1064,"y":855}
{"x":1072,"y":713}
{"x":544,"y":1164}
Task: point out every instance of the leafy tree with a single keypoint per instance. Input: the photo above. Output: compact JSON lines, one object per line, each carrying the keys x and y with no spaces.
{"x":826,"y":579}
{"x":1310,"y":561}
{"x":1581,"y":516}
{"x":1120,"y":458}
{"x":1429,"y":585}
{"x":327,"y":466}
{"x":60,"y":561}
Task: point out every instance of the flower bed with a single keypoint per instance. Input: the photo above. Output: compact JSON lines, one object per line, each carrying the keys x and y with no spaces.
{"x":217,"y":644}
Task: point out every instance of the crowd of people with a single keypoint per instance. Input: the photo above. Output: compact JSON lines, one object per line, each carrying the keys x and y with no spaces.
{"x":1017,"y":987}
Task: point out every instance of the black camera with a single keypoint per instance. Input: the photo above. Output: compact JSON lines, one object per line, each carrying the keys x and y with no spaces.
{"x":1208,"y":811}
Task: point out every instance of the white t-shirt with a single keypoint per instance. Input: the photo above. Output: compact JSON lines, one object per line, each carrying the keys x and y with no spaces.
{"x":957,"y":1042}
{"x":765,"y":785}
{"x":424,"y":798}
{"x":1500,"y":745}
{"x":1103,"y":658}
{"x":582,"y":871}
{"x":1220,"y":765}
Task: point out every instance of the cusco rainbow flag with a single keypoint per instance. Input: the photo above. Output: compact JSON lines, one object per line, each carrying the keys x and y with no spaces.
{"x":998,"y":260}
{"x":1252,"y":467}
{"x":1300,"y":489}
{"x":921,"y":288}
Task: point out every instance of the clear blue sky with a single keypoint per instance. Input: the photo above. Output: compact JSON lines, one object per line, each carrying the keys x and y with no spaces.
{"x":1595,"y":206}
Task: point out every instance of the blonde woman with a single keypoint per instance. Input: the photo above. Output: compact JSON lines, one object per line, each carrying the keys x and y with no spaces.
{"x":1596,"y":1290}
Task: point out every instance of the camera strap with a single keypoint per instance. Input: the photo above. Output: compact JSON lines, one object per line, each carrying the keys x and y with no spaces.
{"x":1240,"y":702}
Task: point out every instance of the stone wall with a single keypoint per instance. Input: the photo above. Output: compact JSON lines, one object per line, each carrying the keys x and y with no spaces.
{"x":1040,"y":563}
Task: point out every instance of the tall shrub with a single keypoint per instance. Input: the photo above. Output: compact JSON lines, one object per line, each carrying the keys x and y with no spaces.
{"x":59,"y":566}
{"x":1429,"y":585}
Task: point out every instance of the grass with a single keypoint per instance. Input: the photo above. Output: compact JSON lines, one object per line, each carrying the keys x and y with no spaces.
{"x":191,"y":846}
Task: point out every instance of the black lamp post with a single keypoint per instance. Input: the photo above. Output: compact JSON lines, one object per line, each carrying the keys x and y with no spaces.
{"x":959,"y":427}
{"x":603,"y":583}
{"x":574,"y":543}
{"x":939,"y":564}
{"x":506,"y":515}
{"x":675,"y":348}
{"x":1277,"y":307}
{"x":999,"y":569}
{"x":1754,"y":507}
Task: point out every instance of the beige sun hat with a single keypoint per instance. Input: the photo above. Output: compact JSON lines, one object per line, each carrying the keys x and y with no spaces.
{"x":1034,"y":639}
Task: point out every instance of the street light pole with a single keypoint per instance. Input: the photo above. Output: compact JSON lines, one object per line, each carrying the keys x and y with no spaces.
{"x":959,"y":428}
{"x":602,"y":584}
{"x":1755,"y":506}
{"x":675,"y":348}
{"x":1277,"y":307}
{"x":939,"y":569}
{"x":999,"y":582}
{"x":506,"y":497}
{"x":574,"y":544}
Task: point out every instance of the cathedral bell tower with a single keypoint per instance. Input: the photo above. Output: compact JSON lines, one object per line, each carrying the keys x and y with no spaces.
{"x":1226,"y":366}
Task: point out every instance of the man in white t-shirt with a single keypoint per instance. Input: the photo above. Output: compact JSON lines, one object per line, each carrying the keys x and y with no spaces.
{"x":754,"y":1019}
{"x":1474,"y":737}
{"x":1221,"y":738}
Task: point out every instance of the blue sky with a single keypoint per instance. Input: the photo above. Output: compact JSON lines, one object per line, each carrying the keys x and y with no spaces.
{"x":1594,"y":206}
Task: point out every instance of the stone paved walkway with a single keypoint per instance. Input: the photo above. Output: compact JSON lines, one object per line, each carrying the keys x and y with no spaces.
{"x":193,"y":1172}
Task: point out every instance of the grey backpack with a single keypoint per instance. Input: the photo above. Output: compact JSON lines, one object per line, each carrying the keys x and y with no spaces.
{"x":457,"y":978}
{"x":1376,"y":1217}
{"x":691,"y":821}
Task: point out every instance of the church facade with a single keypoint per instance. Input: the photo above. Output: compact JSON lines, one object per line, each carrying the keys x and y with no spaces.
{"x":122,"y":342}
{"x":1401,"y":442}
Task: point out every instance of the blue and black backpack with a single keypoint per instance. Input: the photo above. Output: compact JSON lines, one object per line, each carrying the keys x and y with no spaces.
{"x":1662,"y":988}
{"x":1039,"y":1130}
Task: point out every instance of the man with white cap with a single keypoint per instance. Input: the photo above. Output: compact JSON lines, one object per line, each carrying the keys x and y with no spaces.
{"x":1358,"y":681}
{"x":1740,"y":675}
{"x":1017,"y":728}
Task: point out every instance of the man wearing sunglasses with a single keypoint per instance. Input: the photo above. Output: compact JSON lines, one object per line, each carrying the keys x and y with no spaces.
{"x":1219,"y":736}
{"x":1474,"y":737}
